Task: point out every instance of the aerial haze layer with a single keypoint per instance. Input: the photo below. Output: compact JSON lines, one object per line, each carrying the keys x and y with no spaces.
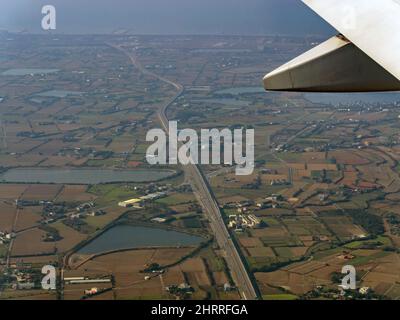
{"x":245,"y":17}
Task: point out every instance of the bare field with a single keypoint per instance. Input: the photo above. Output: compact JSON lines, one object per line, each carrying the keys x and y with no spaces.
{"x":75,"y":194}
{"x":41,"y":192}
{"x":7,"y":215}
{"x":28,"y":217}
{"x":12,"y":191}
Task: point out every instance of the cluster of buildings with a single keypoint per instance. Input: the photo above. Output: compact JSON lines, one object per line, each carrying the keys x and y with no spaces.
{"x":239,"y":222}
{"x":245,"y":218}
{"x":280,"y":182}
{"x":21,"y":277}
{"x":85,"y":206}
{"x":152,"y":188}
{"x":180,"y":290}
{"x":272,"y":201}
{"x":24,"y":281}
{"x":87,"y":209}
{"x":138,"y":202}
{"x":5,"y":237}
{"x":52,"y":212}
{"x":341,"y":293}
{"x":363,"y":291}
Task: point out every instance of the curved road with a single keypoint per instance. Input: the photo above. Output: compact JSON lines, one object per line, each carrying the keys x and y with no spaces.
{"x":205,"y":196}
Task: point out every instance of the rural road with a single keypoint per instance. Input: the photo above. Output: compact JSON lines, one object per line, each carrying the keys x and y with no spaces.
{"x":205,"y":197}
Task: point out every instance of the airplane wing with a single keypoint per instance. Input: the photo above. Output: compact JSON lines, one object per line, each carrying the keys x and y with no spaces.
{"x":365,"y":57}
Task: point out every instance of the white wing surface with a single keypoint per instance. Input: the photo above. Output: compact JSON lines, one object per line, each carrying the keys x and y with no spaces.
{"x":372,"y":25}
{"x":365,"y":57}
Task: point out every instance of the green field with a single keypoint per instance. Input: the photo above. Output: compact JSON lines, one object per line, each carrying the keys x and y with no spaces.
{"x":112,"y":193}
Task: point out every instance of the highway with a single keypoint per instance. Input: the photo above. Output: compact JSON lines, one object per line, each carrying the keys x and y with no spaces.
{"x":205,"y":197}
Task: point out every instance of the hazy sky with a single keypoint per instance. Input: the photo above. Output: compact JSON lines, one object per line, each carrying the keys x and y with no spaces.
{"x":167,"y":16}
